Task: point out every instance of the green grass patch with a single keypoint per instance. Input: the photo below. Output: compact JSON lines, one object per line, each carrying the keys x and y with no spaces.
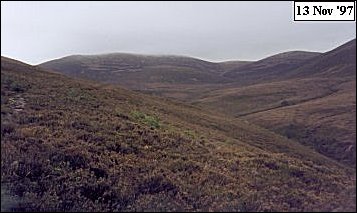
{"x":149,"y":120}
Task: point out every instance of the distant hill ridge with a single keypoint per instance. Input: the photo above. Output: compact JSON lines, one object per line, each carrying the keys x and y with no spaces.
{"x":136,"y":70}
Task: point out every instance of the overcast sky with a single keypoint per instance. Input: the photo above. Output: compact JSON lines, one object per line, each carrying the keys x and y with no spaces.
{"x":34,"y":32}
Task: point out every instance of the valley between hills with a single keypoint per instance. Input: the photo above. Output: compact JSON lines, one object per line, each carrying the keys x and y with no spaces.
{"x":307,"y":96}
{"x":126,"y":132}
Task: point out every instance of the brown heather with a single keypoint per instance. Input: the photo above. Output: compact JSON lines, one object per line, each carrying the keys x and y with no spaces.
{"x":77,"y":145}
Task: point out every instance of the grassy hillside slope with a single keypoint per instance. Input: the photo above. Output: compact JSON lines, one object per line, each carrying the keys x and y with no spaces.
{"x":328,"y":123}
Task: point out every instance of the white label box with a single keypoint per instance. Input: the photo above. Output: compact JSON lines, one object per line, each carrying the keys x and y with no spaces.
{"x":324,"y":11}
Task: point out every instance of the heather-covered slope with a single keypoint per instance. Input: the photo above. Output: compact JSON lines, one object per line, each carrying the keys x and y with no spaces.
{"x":136,"y":71}
{"x":339,"y":62}
{"x":71,"y":145}
{"x":273,"y":68}
{"x":315,"y":105}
